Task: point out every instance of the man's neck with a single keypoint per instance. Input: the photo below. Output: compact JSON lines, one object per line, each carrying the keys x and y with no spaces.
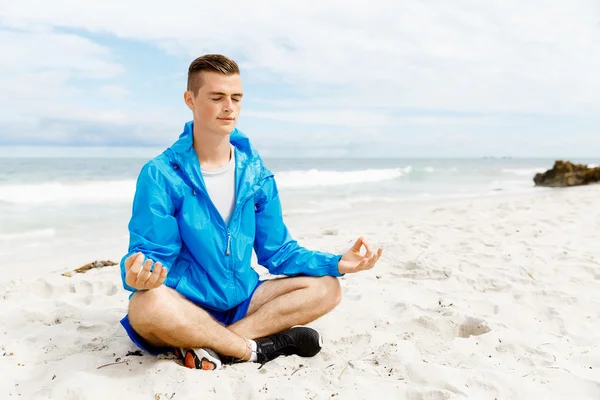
{"x":214,"y":151}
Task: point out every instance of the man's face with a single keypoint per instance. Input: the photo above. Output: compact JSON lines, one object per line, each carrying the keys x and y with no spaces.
{"x":217,"y":104}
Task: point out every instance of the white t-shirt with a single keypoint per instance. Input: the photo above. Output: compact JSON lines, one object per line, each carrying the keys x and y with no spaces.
{"x":220,"y":184}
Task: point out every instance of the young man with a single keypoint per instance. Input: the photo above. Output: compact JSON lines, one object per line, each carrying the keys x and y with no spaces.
{"x":200,"y":208}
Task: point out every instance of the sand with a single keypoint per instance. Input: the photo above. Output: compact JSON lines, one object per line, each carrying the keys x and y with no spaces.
{"x":482,"y":298}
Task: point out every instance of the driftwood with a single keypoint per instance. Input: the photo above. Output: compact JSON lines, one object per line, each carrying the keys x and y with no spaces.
{"x":92,"y":265}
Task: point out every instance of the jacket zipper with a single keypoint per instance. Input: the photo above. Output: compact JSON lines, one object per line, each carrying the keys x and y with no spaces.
{"x":241,"y":204}
{"x":228,"y":250}
{"x":196,"y":191}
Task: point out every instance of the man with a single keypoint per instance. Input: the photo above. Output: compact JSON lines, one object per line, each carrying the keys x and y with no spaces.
{"x":200,"y":208}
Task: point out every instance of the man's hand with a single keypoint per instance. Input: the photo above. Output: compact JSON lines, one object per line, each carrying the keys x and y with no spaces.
{"x":353,"y":261}
{"x":141,"y":278}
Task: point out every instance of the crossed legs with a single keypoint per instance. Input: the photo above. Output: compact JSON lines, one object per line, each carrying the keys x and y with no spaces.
{"x":165,"y":318}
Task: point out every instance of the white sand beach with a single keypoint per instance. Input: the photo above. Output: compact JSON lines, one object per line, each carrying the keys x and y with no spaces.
{"x":483,"y":298}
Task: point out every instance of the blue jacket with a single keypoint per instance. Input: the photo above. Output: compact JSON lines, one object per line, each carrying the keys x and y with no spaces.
{"x":209,"y":262}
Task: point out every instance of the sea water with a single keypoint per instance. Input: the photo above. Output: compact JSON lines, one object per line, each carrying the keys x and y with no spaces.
{"x":51,"y":206}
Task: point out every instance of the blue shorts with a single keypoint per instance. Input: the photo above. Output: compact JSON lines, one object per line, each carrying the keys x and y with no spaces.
{"x":226,"y":318}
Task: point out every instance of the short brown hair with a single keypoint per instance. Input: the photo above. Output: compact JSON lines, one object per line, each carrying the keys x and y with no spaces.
{"x":209,"y":62}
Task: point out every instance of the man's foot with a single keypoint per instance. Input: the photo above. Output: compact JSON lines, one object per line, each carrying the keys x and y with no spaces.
{"x":302,"y":341}
{"x":205,"y":359}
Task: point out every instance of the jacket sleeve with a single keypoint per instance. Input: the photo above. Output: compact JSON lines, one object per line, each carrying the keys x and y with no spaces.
{"x":153,"y":228}
{"x":276,"y":250}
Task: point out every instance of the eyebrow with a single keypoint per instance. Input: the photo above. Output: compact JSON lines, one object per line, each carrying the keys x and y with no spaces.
{"x":224,"y":94}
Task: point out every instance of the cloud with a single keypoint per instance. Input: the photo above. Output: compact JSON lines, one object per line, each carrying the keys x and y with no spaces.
{"x":499,"y":55}
{"x":114,"y":92}
{"x":91,"y":131}
{"x":335,"y":117}
{"x":364,"y":118}
{"x":355,"y":65}
{"x":38,"y":69}
{"x":52,"y":51}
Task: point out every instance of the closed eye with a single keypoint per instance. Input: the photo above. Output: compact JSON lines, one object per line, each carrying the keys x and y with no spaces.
{"x":220,"y":98}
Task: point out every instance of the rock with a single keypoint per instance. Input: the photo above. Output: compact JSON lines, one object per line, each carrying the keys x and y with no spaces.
{"x":86,"y":267}
{"x":565,"y":173}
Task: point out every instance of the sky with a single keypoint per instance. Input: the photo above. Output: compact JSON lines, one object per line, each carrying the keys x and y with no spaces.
{"x":377,"y":78}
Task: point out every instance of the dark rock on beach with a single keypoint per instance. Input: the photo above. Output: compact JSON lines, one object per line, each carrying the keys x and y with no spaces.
{"x":565,"y":173}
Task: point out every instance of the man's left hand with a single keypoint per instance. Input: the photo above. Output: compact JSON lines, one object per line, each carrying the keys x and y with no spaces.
{"x":353,"y":261}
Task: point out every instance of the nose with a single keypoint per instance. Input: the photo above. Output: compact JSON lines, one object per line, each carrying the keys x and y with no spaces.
{"x":228,"y":107}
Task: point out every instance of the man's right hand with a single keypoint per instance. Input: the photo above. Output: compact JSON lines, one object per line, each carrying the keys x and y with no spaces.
{"x":141,"y":278}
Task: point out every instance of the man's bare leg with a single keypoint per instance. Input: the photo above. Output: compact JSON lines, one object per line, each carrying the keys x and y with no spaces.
{"x":279,"y":304}
{"x":165,"y":318}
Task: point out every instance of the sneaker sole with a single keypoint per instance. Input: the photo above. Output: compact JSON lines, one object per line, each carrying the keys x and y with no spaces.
{"x":201,"y":359}
{"x":178,"y":353}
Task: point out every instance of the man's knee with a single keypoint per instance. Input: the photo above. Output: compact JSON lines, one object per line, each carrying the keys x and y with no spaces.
{"x":149,"y":308}
{"x":330,"y":291}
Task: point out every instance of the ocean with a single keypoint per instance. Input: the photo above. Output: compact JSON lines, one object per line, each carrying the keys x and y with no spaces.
{"x":51,"y":208}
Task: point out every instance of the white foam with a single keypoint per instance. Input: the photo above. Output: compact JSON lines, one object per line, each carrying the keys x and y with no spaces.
{"x":523,"y":171}
{"x":69,"y":193}
{"x":315,"y":177}
{"x":316,"y":207}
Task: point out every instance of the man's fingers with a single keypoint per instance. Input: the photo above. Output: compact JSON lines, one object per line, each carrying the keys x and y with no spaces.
{"x":161,"y":278}
{"x":358,"y":244}
{"x":364,"y":264}
{"x":153,"y":278}
{"x":361,"y":265}
{"x":130,"y":260}
{"x":376,"y":256}
{"x":369,"y":248}
{"x":371,"y":261}
{"x":144,"y":273}
{"x":143,"y":277}
{"x":360,"y":262}
{"x":135,"y":263}
{"x":134,"y":269}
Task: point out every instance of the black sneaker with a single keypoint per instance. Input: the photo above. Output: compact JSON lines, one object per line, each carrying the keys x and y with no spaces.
{"x":302,"y":341}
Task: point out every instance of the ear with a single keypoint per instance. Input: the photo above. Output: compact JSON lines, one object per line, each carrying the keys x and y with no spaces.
{"x":188,"y":97}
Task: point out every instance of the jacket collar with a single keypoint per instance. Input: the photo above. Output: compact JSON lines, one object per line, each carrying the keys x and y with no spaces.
{"x":248,"y":163}
{"x":186,"y":140}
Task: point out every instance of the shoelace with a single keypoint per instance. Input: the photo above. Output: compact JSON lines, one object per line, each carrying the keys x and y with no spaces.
{"x":268,"y":351}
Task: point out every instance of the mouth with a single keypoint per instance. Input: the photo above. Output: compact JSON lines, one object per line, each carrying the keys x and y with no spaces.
{"x":226,"y":119}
